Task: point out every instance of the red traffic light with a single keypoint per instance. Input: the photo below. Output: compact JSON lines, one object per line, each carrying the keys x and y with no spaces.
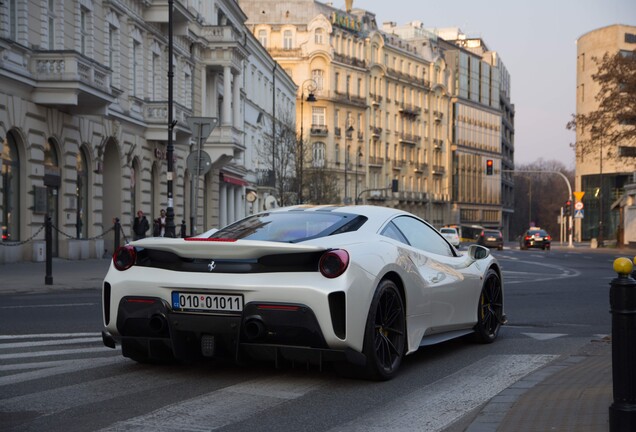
{"x":489,"y":164}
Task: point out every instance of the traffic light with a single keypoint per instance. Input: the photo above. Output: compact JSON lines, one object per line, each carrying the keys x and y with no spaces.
{"x":568,"y":208}
{"x":489,"y":166}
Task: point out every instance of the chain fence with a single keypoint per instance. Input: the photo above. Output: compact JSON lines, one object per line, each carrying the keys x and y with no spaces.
{"x":33,"y":237}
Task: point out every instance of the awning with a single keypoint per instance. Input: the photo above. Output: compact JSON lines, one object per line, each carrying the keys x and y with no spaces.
{"x":233,"y":180}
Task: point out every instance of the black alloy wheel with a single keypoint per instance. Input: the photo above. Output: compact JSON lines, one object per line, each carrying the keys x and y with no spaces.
{"x":385,"y":333}
{"x":490,"y":309}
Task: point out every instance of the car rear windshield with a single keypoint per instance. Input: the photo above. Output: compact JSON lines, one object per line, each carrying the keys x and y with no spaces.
{"x":448,"y":231}
{"x":492,"y":233}
{"x":291,"y":227}
{"x":542,"y":233}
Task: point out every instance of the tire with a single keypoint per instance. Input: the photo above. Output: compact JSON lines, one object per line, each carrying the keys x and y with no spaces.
{"x":490,"y":309}
{"x":385,"y":333}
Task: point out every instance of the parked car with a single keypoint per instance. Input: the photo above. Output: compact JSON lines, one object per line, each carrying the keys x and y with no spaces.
{"x":451,"y":235}
{"x":359,"y":286}
{"x":535,"y":238}
{"x":491,"y":239}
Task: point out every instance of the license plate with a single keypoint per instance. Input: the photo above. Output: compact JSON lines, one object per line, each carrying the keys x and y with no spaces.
{"x":491,"y":239}
{"x":183,"y":301}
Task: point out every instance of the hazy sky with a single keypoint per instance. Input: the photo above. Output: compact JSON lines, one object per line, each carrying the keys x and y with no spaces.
{"x":536,"y":40}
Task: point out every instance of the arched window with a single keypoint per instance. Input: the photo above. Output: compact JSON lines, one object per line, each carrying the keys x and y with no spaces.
{"x":318,"y":152}
{"x":81,"y":195}
{"x":10,"y":211}
{"x":319,"y":36}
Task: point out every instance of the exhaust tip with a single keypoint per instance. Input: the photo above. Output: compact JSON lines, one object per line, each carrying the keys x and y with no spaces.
{"x":158,"y":323}
{"x":254,"y":328}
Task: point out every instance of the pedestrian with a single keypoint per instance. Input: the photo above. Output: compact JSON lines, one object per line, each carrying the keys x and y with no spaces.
{"x":140,"y":226}
{"x":159,"y":229}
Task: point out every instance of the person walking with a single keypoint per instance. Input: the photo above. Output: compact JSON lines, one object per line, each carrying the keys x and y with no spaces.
{"x":159,"y":230}
{"x":140,"y":226}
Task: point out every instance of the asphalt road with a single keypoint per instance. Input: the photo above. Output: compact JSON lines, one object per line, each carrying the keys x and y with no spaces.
{"x":56,"y":375}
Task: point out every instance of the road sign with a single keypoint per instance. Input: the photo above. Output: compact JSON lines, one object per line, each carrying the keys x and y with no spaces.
{"x":578,"y":196}
{"x":578,"y":205}
{"x":204,"y":162}
{"x":201,"y":127}
{"x":578,"y":214}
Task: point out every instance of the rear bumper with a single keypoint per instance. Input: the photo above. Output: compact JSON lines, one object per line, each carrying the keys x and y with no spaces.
{"x":148,"y":328}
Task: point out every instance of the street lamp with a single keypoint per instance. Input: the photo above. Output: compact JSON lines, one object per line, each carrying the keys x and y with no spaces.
{"x":348,"y":136}
{"x":311,"y":86}
{"x":359,"y":155}
{"x":170,"y":228}
{"x":597,"y":134}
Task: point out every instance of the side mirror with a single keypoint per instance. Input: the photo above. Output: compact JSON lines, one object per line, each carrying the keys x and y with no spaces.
{"x":477,"y":252}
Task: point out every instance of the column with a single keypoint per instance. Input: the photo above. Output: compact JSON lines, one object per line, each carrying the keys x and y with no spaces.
{"x":226,"y":117}
{"x":231,"y":199}
{"x":236,"y":101}
{"x":222,"y":205}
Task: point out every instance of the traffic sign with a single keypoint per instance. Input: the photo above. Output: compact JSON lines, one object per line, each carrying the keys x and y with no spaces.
{"x":578,"y":205}
{"x":578,"y":196}
{"x":578,"y":214}
{"x":199,"y":163}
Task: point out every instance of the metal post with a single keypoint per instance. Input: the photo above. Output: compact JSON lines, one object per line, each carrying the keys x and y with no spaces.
{"x":117,"y":234}
{"x":182,"y":232}
{"x":302,"y":151}
{"x":169,"y":231}
{"x":48,"y":238}
{"x":622,"y":412}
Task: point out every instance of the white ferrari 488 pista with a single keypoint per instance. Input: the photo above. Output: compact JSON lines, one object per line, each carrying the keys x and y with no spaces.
{"x":359,"y":286}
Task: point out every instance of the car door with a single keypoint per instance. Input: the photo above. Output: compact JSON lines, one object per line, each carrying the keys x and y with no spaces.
{"x":450,"y":286}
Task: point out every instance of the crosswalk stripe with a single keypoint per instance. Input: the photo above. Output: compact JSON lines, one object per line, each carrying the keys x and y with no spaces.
{"x":435,"y":407}
{"x":47,"y":335}
{"x":48,"y":343}
{"x":53,"y":352}
{"x":222,"y":407}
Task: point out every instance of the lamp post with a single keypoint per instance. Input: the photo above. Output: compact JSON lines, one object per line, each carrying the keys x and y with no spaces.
{"x":311,"y":86}
{"x":358,"y":156}
{"x":348,"y":136}
{"x":170,"y":228}
{"x":600,"y":195}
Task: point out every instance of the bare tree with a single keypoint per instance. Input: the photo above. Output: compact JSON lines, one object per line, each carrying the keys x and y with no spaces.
{"x":539,"y":197}
{"x":279,"y":154}
{"x":322,"y":184}
{"x":615,"y":118}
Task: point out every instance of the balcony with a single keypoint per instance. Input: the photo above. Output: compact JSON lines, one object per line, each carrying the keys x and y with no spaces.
{"x":438,"y":115}
{"x":439,"y":170}
{"x":349,"y":60}
{"x":67,"y":78}
{"x":319,"y":130}
{"x":284,"y":52}
{"x":409,"y":110}
{"x":155,"y":114}
{"x":406,"y":138}
{"x":375,"y":160}
{"x":348,"y":98}
{"x":221,"y":39}
{"x":337,"y":131}
{"x":438,"y":144}
{"x":375,"y":131}
{"x":420,"y":167}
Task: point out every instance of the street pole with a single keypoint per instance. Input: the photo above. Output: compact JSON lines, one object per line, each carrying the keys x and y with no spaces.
{"x":170,"y":227}
{"x":302,"y":150}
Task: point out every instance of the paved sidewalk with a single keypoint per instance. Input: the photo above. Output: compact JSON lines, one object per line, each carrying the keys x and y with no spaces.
{"x":26,"y":276}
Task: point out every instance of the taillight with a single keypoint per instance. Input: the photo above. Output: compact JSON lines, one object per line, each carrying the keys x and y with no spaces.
{"x":124,"y":257}
{"x":528,"y":238}
{"x":333,"y":263}
{"x":548,"y":238}
{"x":204,"y":239}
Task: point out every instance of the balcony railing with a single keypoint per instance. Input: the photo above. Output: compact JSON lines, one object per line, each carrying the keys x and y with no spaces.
{"x":439,"y":169}
{"x":319,"y":130}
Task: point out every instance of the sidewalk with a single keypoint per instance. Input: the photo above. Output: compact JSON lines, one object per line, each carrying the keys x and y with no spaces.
{"x":26,"y":276}
{"x":572,"y":394}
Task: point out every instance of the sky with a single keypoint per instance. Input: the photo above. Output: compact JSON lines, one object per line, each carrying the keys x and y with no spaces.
{"x":536,"y":40}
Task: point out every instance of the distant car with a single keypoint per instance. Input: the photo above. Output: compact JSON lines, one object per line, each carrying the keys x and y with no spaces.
{"x":491,"y":239}
{"x":362,"y":286}
{"x":451,"y":235}
{"x":535,"y":238}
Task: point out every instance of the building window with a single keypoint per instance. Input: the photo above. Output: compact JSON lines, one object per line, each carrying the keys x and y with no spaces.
{"x":13,"y":19}
{"x":85,"y":26}
{"x":187,"y":87}
{"x":10,"y":211}
{"x":319,"y":36}
{"x":318,"y":152}
{"x":81,"y":195}
{"x":318,"y":116}
{"x":51,"y":24}
{"x":262,"y":37}
{"x":287,"y":40}
{"x":318,"y":76}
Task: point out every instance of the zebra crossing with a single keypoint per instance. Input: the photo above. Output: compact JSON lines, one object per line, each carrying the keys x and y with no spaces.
{"x":86,"y":374}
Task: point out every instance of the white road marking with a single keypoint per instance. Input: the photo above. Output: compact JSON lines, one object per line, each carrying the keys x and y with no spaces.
{"x":435,"y":407}
{"x":48,"y":305}
{"x":53,"y":352}
{"x":48,"y":335}
{"x":544,"y":336}
{"x":49,"y":343}
{"x":222,"y":407}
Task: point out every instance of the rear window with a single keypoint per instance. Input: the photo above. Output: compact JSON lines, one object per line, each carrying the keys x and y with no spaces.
{"x":448,"y":231}
{"x":542,"y":233}
{"x":492,"y":233}
{"x":291,"y":227}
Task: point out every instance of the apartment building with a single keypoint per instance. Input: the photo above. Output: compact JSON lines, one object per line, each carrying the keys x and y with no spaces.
{"x":603,"y":167}
{"x":372,"y":107}
{"x":84,"y":119}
